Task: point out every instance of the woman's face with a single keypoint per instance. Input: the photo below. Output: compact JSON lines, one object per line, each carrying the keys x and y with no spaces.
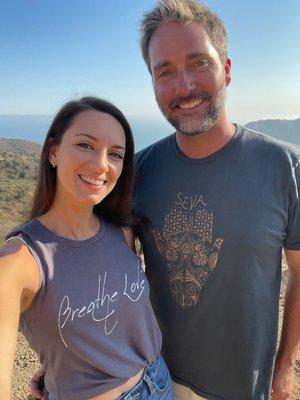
{"x":89,"y":159}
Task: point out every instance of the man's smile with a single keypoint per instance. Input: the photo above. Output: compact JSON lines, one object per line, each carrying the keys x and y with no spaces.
{"x":190,"y":104}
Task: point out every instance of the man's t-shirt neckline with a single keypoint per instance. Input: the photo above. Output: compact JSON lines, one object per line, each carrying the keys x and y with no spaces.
{"x":228,"y":146}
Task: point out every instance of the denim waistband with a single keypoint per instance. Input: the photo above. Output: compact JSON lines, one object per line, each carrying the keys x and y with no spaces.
{"x":155,"y":384}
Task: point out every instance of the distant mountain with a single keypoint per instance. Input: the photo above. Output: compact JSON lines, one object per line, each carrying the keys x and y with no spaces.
{"x":20,"y":147}
{"x":283,"y":129}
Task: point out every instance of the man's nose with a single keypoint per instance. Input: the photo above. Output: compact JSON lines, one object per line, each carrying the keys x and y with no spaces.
{"x":184,"y":83}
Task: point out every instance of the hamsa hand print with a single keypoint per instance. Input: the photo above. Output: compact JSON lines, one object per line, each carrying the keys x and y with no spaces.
{"x":191,"y":254}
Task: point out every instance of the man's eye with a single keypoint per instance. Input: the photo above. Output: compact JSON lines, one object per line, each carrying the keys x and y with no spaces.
{"x":164,"y":73}
{"x":201,"y":63}
{"x":84,"y":145}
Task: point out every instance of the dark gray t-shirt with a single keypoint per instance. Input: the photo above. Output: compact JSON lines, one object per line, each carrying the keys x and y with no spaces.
{"x":91,"y":322}
{"x":213,"y":257}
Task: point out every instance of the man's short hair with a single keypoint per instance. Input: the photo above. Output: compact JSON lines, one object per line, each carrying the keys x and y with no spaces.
{"x":183,"y":11}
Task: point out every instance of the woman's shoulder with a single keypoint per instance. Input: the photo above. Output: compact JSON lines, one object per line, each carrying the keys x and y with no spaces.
{"x":17,"y":265}
{"x":14,"y":251}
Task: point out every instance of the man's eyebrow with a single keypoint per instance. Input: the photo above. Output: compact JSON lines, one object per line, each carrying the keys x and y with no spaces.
{"x":189,"y":57}
{"x":161,"y":65}
{"x":196,"y":55}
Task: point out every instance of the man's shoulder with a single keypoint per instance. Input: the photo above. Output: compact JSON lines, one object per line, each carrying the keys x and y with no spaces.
{"x":156,"y":149}
{"x":267,"y":144}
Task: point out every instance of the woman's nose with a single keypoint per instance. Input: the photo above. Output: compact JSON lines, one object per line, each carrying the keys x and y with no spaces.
{"x":100,"y":162}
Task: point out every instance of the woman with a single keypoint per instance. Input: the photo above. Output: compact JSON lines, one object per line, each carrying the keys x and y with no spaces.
{"x":80,"y":292}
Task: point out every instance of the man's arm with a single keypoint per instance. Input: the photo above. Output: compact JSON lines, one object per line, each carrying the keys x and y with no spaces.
{"x":283,"y":380}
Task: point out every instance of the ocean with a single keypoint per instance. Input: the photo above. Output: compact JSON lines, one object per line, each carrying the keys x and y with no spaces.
{"x":146,"y":130}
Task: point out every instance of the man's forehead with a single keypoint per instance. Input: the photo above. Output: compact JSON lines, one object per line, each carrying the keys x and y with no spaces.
{"x":181,"y":40}
{"x":167,"y":31}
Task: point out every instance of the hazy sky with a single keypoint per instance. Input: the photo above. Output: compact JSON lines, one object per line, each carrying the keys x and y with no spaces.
{"x":51,"y":50}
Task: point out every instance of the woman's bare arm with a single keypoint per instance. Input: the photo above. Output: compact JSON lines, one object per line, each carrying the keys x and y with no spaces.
{"x":19,"y":280}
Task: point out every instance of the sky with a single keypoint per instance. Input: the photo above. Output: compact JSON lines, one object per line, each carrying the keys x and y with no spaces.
{"x":53,"y":50}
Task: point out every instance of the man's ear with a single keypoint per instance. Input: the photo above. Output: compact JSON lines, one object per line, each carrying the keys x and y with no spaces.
{"x":227,"y":68}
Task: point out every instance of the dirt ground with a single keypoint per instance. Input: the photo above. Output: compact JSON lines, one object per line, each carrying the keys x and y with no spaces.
{"x":26,"y":362}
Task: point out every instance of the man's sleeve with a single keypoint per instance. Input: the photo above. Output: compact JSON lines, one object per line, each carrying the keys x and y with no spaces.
{"x":292,"y":240}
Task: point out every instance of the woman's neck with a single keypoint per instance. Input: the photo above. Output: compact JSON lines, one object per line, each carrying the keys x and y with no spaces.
{"x":77,"y":223}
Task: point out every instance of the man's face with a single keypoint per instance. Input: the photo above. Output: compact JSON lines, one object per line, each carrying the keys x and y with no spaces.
{"x":189,"y":79}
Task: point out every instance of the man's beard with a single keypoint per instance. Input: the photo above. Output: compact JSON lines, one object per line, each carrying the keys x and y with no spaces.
{"x":195,"y":124}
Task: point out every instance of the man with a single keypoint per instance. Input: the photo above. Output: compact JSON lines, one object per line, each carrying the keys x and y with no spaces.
{"x":221,"y":202}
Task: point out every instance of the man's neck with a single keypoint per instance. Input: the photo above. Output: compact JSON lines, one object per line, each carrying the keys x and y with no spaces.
{"x":207,"y":143}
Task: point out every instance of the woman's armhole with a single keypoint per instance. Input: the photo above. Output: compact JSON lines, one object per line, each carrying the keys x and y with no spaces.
{"x":129,"y":237}
{"x":35,"y":257}
{"x":134,"y":244}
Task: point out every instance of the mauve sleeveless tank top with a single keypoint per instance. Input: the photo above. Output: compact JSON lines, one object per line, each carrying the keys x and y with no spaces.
{"x":91,"y":321}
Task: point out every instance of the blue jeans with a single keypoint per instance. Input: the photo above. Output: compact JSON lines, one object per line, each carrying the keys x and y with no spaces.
{"x":155,"y":384}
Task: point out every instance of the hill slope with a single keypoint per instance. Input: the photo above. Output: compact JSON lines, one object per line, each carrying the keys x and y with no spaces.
{"x":287,"y":130}
{"x":20,"y":147}
{"x":18,"y":173}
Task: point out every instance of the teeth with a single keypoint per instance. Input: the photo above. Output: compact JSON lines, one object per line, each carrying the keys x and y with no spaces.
{"x":91,"y":180}
{"x":190,"y":104}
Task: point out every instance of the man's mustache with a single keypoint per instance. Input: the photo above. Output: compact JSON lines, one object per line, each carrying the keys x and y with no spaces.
{"x":194,"y":95}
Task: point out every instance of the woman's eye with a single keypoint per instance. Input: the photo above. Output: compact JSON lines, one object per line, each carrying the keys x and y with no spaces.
{"x":116,"y":155}
{"x":84,"y":145}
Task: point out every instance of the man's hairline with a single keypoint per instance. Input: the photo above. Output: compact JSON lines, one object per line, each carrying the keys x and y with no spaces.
{"x":168,"y":20}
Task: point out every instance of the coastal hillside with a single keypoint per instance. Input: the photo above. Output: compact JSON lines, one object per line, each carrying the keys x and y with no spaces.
{"x":18,"y":173}
{"x":283,"y":129}
{"x":19,"y":147}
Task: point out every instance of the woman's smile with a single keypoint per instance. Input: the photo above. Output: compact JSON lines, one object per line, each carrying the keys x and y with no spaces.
{"x":93,"y":182}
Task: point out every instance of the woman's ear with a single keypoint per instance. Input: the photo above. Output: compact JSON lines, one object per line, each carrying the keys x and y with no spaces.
{"x":53,"y":155}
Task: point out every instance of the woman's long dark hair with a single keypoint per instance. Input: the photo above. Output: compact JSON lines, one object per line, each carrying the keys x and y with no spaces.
{"x":117,"y":204}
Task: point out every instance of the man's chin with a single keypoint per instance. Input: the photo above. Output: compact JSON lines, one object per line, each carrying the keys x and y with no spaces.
{"x":190,"y":128}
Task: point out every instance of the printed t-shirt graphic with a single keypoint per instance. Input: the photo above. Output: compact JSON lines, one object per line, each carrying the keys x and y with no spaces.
{"x":188,"y":246}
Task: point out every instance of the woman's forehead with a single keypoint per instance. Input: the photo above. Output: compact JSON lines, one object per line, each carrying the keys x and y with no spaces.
{"x":97,"y":126}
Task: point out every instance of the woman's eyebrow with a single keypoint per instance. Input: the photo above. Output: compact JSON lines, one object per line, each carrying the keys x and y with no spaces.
{"x":119,"y":147}
{"x":96,"y":140}
{"x":87,"y":135}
